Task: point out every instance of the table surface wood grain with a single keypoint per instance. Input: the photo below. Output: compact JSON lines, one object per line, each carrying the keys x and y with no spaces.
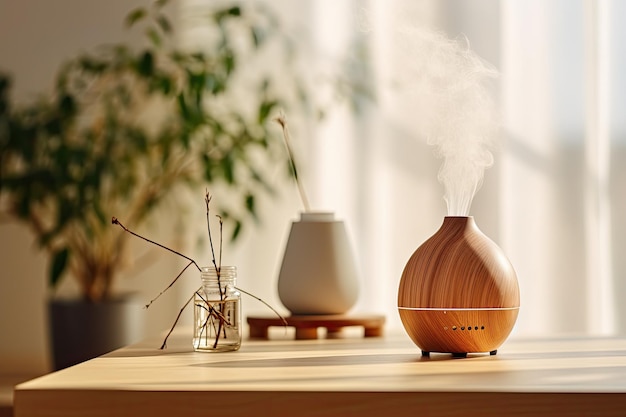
{"x":337,"y":377}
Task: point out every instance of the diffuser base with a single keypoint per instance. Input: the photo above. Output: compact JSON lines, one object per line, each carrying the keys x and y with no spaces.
{"x":458,"y":330}
{"x":457,"y":354}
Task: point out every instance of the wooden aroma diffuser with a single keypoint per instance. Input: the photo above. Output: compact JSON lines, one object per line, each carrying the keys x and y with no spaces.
{"x":458,"y":292}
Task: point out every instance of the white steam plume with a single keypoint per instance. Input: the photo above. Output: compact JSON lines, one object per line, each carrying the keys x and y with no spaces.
{"x":453,"y":107}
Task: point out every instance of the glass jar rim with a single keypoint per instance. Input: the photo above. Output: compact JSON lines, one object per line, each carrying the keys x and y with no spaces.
{"x":224,"y":268}
{"x":227,"y":275}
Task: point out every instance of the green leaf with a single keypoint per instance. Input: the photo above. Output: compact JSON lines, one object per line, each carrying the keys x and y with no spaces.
{"x":236,"y":230}
{"x":164,"y":24}
{"x":182,"y":105}
{"x":91,"y":64}
{"x":229,"y":62}
{"x":135,"y":16}
{"x":67,"y":105}
{"x":53,"y":126}
{"x":164,"y":84}
{"x":197,"y":81}
{"x":220,"y":15}
{"x":208,"y":168}
{"x":258,"y":36}
{"x":234,"y":11}
{"x":154,"y":36}
{"x":251,"y":204}
{"x":214,"y":84}
{"x":59,"y":263}
{"x":265,"y":109}
{"x":228,"y":169}
{"x":145,"y":66}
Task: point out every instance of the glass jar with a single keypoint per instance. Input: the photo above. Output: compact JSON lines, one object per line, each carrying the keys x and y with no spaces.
{"x":217,"y":311}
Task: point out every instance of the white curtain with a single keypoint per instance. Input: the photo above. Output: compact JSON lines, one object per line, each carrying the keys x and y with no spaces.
{"x":562,"y":180}
{"x":554,"y":197}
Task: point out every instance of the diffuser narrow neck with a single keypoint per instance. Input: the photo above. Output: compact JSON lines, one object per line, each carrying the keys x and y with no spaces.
{"x":459,"y":218}
{"x":453,"y":224}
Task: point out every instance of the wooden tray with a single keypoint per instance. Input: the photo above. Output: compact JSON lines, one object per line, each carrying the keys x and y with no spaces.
{"x":306,"y":326}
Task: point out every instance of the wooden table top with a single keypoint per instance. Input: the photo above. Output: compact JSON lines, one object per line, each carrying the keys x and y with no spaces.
{"x":343,"y":377}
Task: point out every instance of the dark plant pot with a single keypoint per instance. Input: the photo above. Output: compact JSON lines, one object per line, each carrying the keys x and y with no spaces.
{"x":80,"y":330}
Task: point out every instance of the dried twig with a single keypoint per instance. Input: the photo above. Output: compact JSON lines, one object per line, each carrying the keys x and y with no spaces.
{"x":207,"y":201}
{"x":117,"y":222}
{"x":266,"y":304}
{"x":164,"y":345}
{"x":218,"y":313}
{"x":168,"y":287}
{"x":218,"y":270}
{"x":282,"y":121}
{"x":221,"y":239}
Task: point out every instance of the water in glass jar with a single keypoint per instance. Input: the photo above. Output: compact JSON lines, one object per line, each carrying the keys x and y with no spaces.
{"x":217,"y":325}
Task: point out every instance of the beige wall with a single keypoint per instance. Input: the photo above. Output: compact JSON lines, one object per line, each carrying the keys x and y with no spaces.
{"x":22,"y":310}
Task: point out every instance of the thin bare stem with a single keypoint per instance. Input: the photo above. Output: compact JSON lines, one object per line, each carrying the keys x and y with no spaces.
{"x":218,"y":267}
{"x":211,"y":313}
{"x":164,"y":345}
{"x":221,"y":239}
{"x":266,"y":304}
{"x":117,"y":222}
{"x":207,"y":200}
{"x":282,"y":121}
{"x":216,"y":313}
{"x":168,"y":287}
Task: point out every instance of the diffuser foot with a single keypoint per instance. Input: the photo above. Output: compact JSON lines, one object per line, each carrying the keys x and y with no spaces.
{"x":459,"y":354}
{"x":425,"y":353}
{"x":493,"y":352}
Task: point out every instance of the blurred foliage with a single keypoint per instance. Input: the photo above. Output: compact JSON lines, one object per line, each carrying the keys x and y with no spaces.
{"x":125,"y":126}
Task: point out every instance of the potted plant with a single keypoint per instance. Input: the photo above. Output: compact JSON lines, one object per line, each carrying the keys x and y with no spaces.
{"x":122,"y":129}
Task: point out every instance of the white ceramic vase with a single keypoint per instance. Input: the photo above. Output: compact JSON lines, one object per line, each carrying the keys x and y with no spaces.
{"x":318,"y":275}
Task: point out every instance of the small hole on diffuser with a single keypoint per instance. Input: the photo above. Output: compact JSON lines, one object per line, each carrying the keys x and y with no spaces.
{"x":453,"y":327}
{"x":476,"y":328}
{"x":482,"y":327}
{"x":462,"y":327}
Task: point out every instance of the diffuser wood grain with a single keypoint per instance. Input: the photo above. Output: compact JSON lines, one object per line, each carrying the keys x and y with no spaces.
{"x":459,"y":277}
